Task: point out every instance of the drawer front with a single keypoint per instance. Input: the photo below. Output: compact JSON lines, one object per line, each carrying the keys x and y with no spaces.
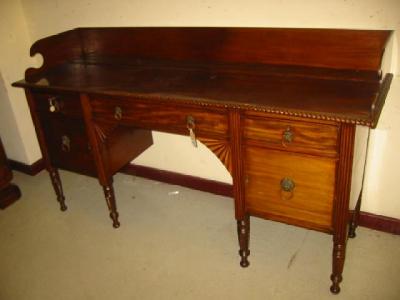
{"x":297,"y":136}
{"x":291,"y":188}
{"x":58,"y":104}
{"x":68,"y":144}
{"x":167,"y":118}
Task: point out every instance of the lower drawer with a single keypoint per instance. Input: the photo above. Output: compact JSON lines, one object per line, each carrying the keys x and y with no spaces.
{"x":68,"y":144}
{"x":292,"y":188}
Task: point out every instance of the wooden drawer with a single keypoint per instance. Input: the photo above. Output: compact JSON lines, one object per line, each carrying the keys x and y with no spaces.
{"x":158,"y":116}
{"x":289,"y":187}
{"x":297,"y":136}
{"x":67,"y":143}
{"x":58,"y":104}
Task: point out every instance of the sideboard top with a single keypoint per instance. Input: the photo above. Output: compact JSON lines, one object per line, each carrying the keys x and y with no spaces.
{"x":330,"y":74}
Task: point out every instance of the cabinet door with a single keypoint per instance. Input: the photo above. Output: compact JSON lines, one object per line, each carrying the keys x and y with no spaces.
{"x":289,"y":187}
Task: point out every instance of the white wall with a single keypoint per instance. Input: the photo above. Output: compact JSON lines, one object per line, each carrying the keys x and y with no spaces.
{"x":175,"y":153}
{"x":16,"y":127}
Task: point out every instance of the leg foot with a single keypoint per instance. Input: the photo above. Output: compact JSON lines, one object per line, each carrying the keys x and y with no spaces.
{"x":354,"y":218}
{"x":114,"y":218}
{"x":338,"y":256}
{"x":56,"y":182}
{"x":352,"y":230}
{"x":335,"y":288}
{"x":243,"y":228}
{"x":354,"y":222}
{"x":112,"y":207}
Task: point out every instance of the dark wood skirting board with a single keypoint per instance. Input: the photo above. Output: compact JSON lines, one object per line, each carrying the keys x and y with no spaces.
{"x":32,"y":169}
{"x":381,"y":223}
{"x":368,"y":220}
{"x":197,"y":183}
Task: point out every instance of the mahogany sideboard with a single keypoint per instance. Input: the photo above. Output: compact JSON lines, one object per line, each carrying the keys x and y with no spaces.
{"x":287,"y":111}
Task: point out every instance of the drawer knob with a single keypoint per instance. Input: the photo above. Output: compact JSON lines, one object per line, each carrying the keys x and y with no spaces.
{"x":287,"y":136}
{"x":190,"y":124}
{"x":287,"y":185}
{"x":65,"y":143}
{"x":118,"y":113}
{"x":54,"y":106}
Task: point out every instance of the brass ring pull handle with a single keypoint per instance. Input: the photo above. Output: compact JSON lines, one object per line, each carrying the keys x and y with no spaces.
{"x":287,"y":136}
{"x":65,"y":143}
{"x":190,"y":124}
{"x":118,"y":113}
{"x":287,"y":188}
{"x":54,"y":105}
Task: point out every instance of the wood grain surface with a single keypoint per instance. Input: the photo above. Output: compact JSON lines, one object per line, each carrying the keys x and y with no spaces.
{"x":311,"y":201}
{"x":305,"y":137}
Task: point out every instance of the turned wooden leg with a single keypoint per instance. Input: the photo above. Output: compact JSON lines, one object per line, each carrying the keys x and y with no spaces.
{"x":56,"y":181}
{"x":354,"y":219}
{"x":341,"y":204}
{"x":243,"y":228}
{"x":338,"y":256}
{"x":112,"y":206}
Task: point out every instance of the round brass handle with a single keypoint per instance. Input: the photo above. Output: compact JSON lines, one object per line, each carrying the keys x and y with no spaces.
{"x":65,"y":143}
{"x":118,"y":113}
{"x":287,"y":136}
{"x":54,"y":106}
{"x":287,"y":185}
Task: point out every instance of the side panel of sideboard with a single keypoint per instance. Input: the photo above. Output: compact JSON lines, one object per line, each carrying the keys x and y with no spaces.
{"x":290,"y":169}
{"x":61,"y":127}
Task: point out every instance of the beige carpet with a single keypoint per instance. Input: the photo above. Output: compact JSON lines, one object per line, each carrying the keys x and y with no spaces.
{"x":173,"y":243}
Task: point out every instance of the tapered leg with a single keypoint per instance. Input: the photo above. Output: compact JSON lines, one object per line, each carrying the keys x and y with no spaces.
{"x":341,"y":204}
{"x":243,"y":228}
{"x":56,"y":181}
{"x":112,"y":206}
{"x":338,"y":256}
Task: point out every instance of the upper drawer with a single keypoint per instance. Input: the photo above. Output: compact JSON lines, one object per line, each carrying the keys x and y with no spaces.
{"x":65,"y":104}
{"x":158,"y":116}
{"x":297,"y":136}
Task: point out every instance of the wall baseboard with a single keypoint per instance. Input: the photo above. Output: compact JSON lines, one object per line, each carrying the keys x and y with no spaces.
{"x":32,"y":169}
{"x":368,"y":220}
{"x":378,"y":222}
{"x":197,"y":183}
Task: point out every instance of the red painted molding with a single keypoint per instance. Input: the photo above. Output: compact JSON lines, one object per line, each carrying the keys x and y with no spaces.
{"x":372,"y":221}
{"x":197,"y":183}
{"x":32,"y":169}
{"x":381,"y":223}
